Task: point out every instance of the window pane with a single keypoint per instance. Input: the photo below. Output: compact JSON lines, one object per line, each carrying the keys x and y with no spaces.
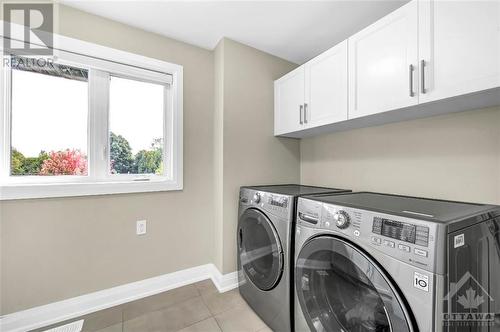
{"x":136,"y":127}
{"x":49,"y":119}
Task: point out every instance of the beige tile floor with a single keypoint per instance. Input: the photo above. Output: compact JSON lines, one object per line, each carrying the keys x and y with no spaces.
{"x":194,"y":308}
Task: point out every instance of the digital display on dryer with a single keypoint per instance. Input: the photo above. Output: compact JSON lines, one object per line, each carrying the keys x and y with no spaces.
{"x":278,"y":201}
{"x":395,"y":229}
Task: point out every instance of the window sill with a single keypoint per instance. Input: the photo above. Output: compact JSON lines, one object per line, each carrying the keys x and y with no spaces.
{"x":44,"y":190}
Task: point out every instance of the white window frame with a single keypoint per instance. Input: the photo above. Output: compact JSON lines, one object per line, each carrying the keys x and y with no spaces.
{"x":101,"y":62}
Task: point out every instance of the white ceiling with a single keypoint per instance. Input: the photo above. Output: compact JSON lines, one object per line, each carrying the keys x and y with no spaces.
{"x":293,"y":30}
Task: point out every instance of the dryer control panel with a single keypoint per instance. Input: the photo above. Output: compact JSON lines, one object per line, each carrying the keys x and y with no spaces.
{"x":275,"y":204}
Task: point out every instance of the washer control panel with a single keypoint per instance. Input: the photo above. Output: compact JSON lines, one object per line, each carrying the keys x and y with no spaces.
{"x":410,"y":240}
{"x":401,"y":231}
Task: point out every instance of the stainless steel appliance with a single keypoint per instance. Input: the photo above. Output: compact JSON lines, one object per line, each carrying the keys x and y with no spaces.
{"x":265,"y":249}
{"x":378,"y":262}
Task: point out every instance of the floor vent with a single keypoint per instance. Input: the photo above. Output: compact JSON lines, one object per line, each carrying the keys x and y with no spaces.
{"x":76,"y":326}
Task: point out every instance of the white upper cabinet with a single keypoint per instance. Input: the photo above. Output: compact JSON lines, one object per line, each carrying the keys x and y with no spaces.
{"x":289,"y":102}
{"x":459,"y":47}
{"x":326,"y":90}
{"x":383,"y":62}
{"x":314,"y":94}
{"x":428,"y":57}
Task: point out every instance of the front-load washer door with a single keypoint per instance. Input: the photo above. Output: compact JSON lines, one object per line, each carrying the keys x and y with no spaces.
{"x":260,"y":250}
{"x":340,"y":288}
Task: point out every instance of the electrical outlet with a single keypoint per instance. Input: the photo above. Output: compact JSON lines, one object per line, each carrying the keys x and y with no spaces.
{"x":140,"y":227}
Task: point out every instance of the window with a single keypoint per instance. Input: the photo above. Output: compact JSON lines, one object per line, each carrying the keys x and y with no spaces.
{"x":49,"y":111}
{"x":93,"y":120}
{"x":136,"y":127}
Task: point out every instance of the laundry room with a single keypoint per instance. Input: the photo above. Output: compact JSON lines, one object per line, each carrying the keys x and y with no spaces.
{"x":250,"y":166}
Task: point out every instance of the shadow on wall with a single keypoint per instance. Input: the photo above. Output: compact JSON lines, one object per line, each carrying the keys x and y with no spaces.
{"x":454,"y":156}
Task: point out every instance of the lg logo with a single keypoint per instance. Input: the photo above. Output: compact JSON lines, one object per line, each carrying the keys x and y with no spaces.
{"x":28,"y":28}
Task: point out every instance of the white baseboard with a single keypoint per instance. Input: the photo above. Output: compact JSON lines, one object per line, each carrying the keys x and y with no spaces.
{"x":224,"y":282}
{"x":52,"y":313}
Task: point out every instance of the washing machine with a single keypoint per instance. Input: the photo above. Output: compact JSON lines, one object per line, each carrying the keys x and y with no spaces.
{"x":265,"y":249}
{"x":378,"y":262}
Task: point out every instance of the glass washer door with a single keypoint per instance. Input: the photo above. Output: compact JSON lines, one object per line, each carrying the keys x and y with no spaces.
{"x":340,"y":289}
{"x":260,"y":250}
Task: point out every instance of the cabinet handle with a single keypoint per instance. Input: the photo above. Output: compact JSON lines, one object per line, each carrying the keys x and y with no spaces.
{"x":305,"y":112}
{"x":411,"y":80}
{"x":301,"y":107}
{"x":422,"y":76}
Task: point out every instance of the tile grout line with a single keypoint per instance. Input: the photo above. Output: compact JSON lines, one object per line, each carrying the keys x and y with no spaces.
{"x":218,"y":325}
{"x":201,"y":294}
{"x":201,"y":320}
{"x":208,"y":309}
{"x":212,"y":314}
{"x":161,"y":308}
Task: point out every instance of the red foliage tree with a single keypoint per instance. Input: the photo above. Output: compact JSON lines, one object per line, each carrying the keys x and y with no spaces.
{"x":68,"y":162}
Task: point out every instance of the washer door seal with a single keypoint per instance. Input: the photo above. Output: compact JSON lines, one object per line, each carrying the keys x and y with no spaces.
{"x":260,"y":250}
{"x":340,"y":288}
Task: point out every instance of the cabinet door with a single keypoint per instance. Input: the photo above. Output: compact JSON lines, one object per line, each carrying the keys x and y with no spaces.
{"x":382,"y":64}
{"x":459,"y":42}
{"x":326,"y":90}
{"x":289,"y":102}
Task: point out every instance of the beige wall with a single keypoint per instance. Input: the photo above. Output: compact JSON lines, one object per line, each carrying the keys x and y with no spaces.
{"x":53,"y":249}
{"x":453,"y":157}
{"x":251,"y":154}
{"x":218,"y":152}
